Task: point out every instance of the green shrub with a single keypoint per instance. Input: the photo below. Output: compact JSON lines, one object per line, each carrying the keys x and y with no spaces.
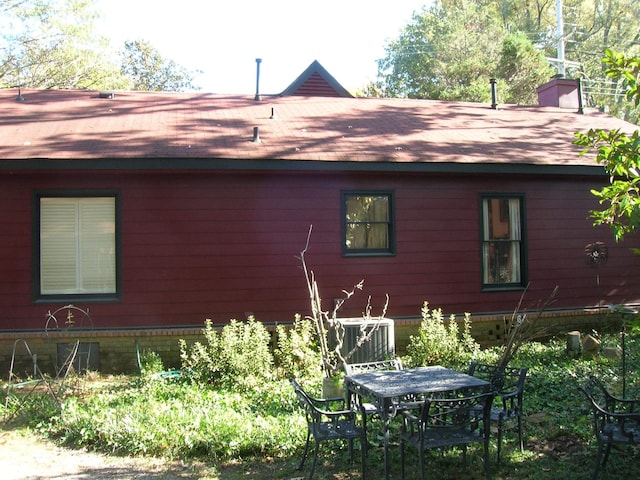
{"x":150,"y":363}
{"x":297,"y":354}
{"x":441,"y":343}
{"x":239,"y":356}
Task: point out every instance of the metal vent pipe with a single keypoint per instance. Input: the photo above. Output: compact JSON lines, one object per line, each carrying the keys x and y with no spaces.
{"x":494,"y":93}
{"x":258,"y":97}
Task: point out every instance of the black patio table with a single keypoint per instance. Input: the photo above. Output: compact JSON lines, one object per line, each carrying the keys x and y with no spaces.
{"x":393,"y":390}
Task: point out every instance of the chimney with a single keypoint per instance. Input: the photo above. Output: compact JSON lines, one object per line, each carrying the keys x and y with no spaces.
{"x":560,"y":92}
{"x":258,"y":97}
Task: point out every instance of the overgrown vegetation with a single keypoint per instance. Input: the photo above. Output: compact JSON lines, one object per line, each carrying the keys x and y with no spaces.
{"x":297,"y":354}
{"x":441,"y":341}
{"x":239,"y":357}
{"x":260,"y":432}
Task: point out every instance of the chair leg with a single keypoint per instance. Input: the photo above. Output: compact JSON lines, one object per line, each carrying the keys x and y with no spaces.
{"x":606,"y":455}
{"x":596,"y":470}
{"x":315,"y":459}
{"x":520,"y":432}
{"x":500,"y":440}
{"x":487,"y":470}
{"x":423,"y":473}
{"x":306,"y":451}
{"x":350,"y":442}
{"x":363,"y":454}
{"x":402,"y":459}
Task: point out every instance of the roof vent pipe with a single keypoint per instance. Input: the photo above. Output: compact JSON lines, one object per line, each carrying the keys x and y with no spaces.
{"x":256,"y":135}
{"x":580,"y":105}
{"x":20,"y":98}
{"x":494,"y":93}
{"x":258,"y":97}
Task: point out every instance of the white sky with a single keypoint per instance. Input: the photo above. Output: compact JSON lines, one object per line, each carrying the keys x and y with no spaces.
{"x":223,"y":38}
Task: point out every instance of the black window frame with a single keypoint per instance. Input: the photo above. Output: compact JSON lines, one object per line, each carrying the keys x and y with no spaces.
{"x":38,"y":296}
{"x":391,"y":224}
{"x":524,"y":271}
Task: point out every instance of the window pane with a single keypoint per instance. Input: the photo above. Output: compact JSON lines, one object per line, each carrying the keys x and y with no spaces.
{"x":77,"y":245}
{"x":502,"y":235}
{"x":58,"y":245}
{"x":502,"y":262}
{"x":367,"y":222}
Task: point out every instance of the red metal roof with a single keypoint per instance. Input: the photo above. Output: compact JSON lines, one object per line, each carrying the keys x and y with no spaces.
{"x":64,"y":124}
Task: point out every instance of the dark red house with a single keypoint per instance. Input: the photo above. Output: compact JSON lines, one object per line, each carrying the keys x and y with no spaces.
{"x":159,"y":210}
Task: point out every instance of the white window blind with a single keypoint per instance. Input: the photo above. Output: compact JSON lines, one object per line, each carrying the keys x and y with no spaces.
{"x":77,"y":245}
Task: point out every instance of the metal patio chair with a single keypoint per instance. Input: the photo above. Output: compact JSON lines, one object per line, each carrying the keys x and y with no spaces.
{"x":66,"y":323}
{"x":447,"y":422}
{"x":369,"y":409}
{"x":392,"y":364}
{"x":63,"y":322}
{"x":508,"y":386}
{"x":324,"y":424}
{"x":615,"y":420}
{"x":17,"y":390}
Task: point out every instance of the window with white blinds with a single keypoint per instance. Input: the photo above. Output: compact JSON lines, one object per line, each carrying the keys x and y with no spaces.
{"x":77,"y":245}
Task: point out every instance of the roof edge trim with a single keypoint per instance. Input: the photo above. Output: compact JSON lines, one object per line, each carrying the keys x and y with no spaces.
{"x":208,"y":164}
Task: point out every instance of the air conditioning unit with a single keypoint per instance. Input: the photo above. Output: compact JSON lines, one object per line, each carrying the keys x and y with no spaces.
{"x":381,"y":346}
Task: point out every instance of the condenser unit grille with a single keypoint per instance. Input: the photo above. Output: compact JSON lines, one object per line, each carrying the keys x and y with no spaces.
{"x":381,"y":346}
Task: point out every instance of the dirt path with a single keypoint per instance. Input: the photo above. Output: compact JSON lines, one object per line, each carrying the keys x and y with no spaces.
{"x":26,"y":457}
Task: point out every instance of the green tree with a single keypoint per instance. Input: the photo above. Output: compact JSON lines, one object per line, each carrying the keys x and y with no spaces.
{"x":146,"y":69}
{"x":592,"y":27}
{"x":522,"y":67}
{"x":619,"y":153}
{"x":451,"y":50}
{"x":52,"y":44}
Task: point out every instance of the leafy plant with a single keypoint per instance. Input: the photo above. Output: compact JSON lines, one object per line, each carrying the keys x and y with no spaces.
{"x":441,"y":342}
{"x":619,"y":153}
{"x":237,"y":357}
{"x":150,"y":363}
{"x":297,"y":354}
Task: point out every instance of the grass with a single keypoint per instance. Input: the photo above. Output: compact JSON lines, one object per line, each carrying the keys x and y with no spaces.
{"x":260,"y":433}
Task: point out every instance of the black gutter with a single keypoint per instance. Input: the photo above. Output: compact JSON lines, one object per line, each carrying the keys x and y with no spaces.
{"x":208,"y":164}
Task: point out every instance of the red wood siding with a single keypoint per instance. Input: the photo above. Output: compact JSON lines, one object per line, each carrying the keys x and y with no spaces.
{"x":217,"y":245}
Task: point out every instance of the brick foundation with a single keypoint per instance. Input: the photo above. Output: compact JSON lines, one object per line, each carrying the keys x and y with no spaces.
{"x":118,"y":350}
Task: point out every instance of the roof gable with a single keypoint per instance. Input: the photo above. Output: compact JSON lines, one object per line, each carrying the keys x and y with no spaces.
{"x":315,"y":81}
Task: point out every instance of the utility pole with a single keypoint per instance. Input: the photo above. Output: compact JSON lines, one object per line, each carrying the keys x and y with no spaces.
{"x":560,"y":36}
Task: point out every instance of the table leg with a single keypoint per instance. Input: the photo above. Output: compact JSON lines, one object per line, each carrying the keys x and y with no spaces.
{"x":385,"y":436}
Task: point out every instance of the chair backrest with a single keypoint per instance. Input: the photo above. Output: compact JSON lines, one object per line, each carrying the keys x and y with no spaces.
{"x":598,"y":393}
{"x":455,"y":421}
{"x":504,"y":380}
{"x":595,"y":392}
{"x":65,"y":324}
{"x":610,"y":426}
{"x":311,"y":411}
{"x":392,"y":364}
